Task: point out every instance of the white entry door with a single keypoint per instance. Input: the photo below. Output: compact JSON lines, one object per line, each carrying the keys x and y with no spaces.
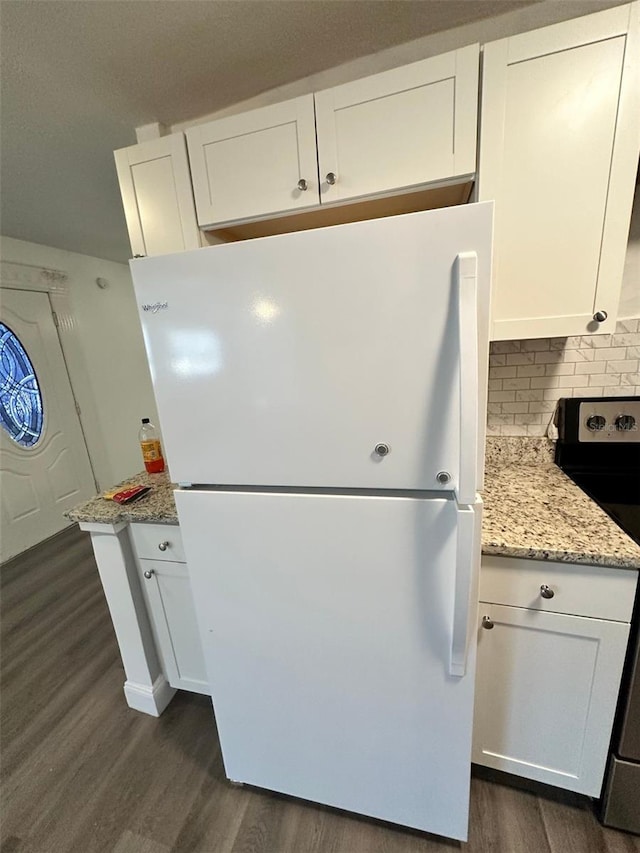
{"x":44,"y":465}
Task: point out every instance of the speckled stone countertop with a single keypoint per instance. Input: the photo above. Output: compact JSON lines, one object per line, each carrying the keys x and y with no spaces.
{"x":158,"y":506}
{"x":531,"y":509}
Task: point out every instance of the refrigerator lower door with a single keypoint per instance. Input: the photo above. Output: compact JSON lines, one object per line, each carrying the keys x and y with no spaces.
{"x":327,"y":627}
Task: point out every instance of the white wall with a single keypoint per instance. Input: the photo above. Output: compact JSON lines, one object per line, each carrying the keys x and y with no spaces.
{"x":105,"y":355}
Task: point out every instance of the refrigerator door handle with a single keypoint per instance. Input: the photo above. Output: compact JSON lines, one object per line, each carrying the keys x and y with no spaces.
{"x":465,"y":597}
{"x":466,"y":277}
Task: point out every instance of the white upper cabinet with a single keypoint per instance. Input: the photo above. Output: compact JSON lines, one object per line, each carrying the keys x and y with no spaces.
{"x":411,"y":125}
{"x":403,"y":128}
{"x":558,"y":152}
{"x":155,"y":184}
{"x":256,"y":163}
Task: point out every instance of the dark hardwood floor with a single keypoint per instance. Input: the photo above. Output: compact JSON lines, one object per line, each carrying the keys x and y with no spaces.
{"x":82,"y":772}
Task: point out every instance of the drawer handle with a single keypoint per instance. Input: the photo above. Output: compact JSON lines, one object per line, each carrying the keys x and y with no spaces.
{"x":149,"y":574}
{"x":546,"y":591}
{"x":163,"y":546}
{"x":487,"y":622}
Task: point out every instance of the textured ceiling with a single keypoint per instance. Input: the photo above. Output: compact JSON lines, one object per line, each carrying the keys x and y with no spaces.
{"x":78,"y":77}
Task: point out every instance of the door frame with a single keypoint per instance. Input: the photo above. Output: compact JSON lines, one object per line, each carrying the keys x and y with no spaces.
{"x":18,"y":276}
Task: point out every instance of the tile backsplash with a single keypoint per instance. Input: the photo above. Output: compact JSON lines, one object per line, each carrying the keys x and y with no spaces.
{"x":527,"y":378}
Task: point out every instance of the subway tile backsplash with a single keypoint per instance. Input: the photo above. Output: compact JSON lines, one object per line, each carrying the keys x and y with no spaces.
{"x":527,"y":378}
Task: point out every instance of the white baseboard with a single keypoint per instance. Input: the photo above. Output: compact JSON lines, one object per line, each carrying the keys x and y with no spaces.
{"x":150,"y":700}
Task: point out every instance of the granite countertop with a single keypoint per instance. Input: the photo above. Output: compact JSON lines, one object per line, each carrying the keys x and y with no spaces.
{"x":158,"y":506}
{"x":531,"y":510}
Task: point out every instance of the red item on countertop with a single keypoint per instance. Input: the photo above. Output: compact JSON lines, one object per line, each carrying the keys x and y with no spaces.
{"x":127,"y":496}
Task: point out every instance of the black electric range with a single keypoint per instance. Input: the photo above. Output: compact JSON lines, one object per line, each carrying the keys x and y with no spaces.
{"x":599,"y":448}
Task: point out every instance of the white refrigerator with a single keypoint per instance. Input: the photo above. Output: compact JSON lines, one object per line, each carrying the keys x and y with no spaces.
{"x":322,"y":403}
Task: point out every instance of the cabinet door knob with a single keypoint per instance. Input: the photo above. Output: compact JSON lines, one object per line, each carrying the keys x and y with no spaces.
{"x":331,"y":178}
{"x":600,"y":316}
{"x":302,"y":185}
{"x":382,"y":449}
{"x":546,"y":591}
{"x":148,"y":574}
{"x":163,"y":546}
{"x":487,"y":622}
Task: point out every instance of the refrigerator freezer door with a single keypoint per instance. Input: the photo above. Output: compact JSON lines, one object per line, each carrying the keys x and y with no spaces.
{"x":325,"y":358}
{"x":326,"y":626}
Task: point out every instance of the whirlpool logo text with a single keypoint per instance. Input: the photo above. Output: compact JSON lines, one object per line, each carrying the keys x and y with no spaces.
{"x":154,"y":307}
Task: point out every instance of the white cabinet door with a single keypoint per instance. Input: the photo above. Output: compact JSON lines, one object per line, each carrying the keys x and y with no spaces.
{"x":167,"y":591}
{"x":546,"y":692}
{"x":558,"y":153}
{"x":407,"y":126}
{"x":155,"y":183}
{"x":249,"y":165}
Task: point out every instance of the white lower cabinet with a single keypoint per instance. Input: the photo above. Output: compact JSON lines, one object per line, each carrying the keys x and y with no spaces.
{"x":547,"y":682}
{"x":167,"y":592}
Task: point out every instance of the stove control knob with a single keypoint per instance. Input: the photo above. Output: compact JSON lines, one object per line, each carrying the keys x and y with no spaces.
{"x":625,"y":423}
{"x":596,"y":422}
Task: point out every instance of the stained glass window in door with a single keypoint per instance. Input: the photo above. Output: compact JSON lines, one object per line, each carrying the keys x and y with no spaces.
{"x":21,"y":412}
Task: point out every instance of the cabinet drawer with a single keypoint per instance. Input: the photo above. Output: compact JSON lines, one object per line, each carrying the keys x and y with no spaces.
{"x":577,"y":590}
{"x":147,"y":539}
